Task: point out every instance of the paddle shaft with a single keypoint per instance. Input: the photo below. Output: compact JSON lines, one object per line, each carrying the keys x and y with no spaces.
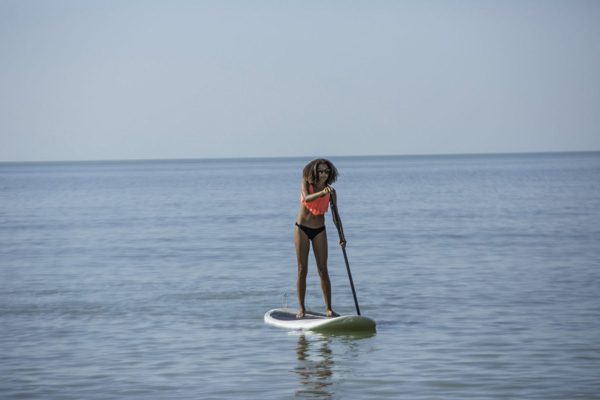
{"x":338,"y":224}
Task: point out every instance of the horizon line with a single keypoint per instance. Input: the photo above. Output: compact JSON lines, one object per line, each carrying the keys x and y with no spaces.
{"x":290,"y":157}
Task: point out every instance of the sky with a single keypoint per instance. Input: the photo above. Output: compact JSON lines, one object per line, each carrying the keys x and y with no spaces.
{"x":145,"y":79}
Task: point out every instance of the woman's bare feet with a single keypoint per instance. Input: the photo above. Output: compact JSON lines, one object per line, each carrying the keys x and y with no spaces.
{"x":301,"y":313}
{"x":331,"y":314}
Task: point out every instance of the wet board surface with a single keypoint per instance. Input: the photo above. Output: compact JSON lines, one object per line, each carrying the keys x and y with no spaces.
{"x":286,"y":318}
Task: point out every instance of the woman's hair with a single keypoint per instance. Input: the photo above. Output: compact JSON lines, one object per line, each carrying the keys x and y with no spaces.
{"x":311,"y":175}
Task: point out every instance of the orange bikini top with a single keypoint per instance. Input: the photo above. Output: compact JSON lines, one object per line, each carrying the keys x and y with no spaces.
{"x":318,"y":206}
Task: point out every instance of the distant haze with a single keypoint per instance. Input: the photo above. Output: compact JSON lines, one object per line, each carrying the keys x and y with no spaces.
{"x":133,"y":79}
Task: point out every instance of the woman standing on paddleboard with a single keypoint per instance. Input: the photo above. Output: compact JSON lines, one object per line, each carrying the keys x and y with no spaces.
{"x":310,"y":227}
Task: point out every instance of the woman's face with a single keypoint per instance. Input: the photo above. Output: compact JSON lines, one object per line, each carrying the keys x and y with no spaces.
{"x":323,"y":173}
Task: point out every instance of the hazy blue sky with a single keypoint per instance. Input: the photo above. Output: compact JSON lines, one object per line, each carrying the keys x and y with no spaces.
{"x":131,"y":79}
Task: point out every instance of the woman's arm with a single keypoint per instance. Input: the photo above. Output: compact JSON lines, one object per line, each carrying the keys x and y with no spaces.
{"x":312,"y":197}
{"x":337,"y":221}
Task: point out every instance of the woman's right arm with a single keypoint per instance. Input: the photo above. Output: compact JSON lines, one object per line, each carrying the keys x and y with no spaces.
{"x":312,"y":197}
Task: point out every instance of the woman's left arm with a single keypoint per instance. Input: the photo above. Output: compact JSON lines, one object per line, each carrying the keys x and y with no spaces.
{"x":338,"y":222}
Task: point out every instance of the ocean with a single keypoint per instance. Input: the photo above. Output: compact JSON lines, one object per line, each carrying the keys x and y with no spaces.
{"x":150,"y":279}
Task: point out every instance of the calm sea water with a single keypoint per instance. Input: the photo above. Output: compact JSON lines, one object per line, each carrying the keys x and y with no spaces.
{"x":149,"y":279}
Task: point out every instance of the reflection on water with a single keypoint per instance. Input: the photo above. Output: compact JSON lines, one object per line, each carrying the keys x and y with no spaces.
{"x":316,"y":368}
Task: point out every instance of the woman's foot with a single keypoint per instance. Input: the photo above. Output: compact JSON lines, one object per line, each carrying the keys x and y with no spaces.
{"x":331,"y":314}
{"x":301,"y":313}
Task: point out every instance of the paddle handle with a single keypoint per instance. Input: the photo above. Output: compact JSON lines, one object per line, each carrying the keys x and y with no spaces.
{"x":338,"y":223}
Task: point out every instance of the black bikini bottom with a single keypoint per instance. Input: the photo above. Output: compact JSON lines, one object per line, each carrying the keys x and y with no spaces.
{"x":310,"y":232}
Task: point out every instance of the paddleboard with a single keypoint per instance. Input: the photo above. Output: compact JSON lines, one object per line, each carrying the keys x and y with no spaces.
{"x":312,"y":321}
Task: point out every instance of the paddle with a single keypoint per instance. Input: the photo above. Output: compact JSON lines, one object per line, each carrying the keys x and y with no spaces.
{"x":338,"y":224}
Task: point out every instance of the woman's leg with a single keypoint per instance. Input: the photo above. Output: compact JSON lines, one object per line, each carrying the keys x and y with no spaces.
{"x":302,"y":249}
{"x":321,"y":254}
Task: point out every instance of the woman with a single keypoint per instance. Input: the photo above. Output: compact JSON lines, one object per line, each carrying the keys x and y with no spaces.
{"x":310,"y":227}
